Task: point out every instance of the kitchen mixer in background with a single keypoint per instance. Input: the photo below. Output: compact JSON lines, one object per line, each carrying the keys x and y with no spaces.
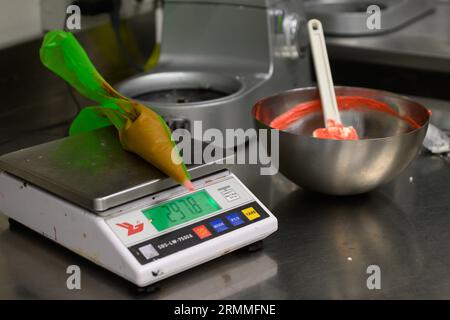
{"x":218,"y":58}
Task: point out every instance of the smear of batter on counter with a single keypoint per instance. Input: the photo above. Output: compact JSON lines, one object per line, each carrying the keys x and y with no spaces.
{"x":288,"y":118}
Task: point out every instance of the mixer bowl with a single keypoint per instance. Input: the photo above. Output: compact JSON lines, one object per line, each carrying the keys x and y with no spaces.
{"x":387,"y":144}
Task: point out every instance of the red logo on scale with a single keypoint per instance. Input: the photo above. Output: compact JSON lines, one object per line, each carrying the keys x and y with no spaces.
{"x":131,"y":229}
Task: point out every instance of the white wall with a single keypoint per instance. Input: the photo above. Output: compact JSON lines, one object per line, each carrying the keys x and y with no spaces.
{"x":20,"y":20}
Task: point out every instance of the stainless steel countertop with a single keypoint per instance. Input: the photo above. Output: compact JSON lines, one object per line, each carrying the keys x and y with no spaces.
{"x":423,"y":44}
{"x":321,"y":250}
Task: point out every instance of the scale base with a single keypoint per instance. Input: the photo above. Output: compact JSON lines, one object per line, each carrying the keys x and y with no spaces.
{"x":95,"y":237}
{"x":255,"y":246}
{"x":154,"y":287}
{"x":14,"y":225}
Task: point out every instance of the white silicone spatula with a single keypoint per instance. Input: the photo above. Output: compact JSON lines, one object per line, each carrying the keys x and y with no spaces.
{"x":331,"y":115}
{"x":323,"y":72}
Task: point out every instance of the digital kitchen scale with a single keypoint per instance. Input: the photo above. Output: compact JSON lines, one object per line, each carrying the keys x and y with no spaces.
{"x":110,"y":206}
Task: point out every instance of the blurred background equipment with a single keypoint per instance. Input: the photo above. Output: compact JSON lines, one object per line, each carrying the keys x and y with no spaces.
{"x":218,"y":57}
{"x":349,"y":17}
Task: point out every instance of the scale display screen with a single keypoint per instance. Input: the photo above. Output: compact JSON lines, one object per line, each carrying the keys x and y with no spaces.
{"x":181,"y":210}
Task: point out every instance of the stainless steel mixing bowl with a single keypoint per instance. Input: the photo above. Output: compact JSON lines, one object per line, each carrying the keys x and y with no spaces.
{"x":387,"y":146}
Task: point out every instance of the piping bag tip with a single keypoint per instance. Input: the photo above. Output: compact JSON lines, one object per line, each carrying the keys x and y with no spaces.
{"x":188,"y":185}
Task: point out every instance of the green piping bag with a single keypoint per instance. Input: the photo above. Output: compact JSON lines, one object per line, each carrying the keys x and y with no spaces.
{"x":141,"y":130}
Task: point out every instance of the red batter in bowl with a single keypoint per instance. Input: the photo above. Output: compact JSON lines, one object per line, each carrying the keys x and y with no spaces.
{"x":333,"y":130}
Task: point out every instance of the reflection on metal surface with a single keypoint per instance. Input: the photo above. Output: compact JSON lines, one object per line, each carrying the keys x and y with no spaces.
{"x":224,"y":280}
{"x":31,"y":263}
{"x":354,"y":232}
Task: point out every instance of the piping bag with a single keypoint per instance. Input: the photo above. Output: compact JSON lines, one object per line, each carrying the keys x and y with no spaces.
{"x":141,"y":130}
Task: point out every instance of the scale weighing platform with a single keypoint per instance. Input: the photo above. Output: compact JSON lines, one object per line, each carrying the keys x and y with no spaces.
{"x":110,"y":206}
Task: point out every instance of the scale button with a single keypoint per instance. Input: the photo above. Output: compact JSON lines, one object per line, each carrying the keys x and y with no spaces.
{"x":148,"y":251}
{"x":234,"y":219}
{"x":201,"y":231}
{"x":251,"y":213}
{"x":218,"y":225}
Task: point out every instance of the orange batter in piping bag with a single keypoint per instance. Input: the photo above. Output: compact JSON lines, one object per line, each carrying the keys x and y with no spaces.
{"x":149,"y":137}
{"x":141,"y":130}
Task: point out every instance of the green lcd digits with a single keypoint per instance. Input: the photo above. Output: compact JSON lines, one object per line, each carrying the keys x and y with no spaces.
{"x":181,"y":210}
